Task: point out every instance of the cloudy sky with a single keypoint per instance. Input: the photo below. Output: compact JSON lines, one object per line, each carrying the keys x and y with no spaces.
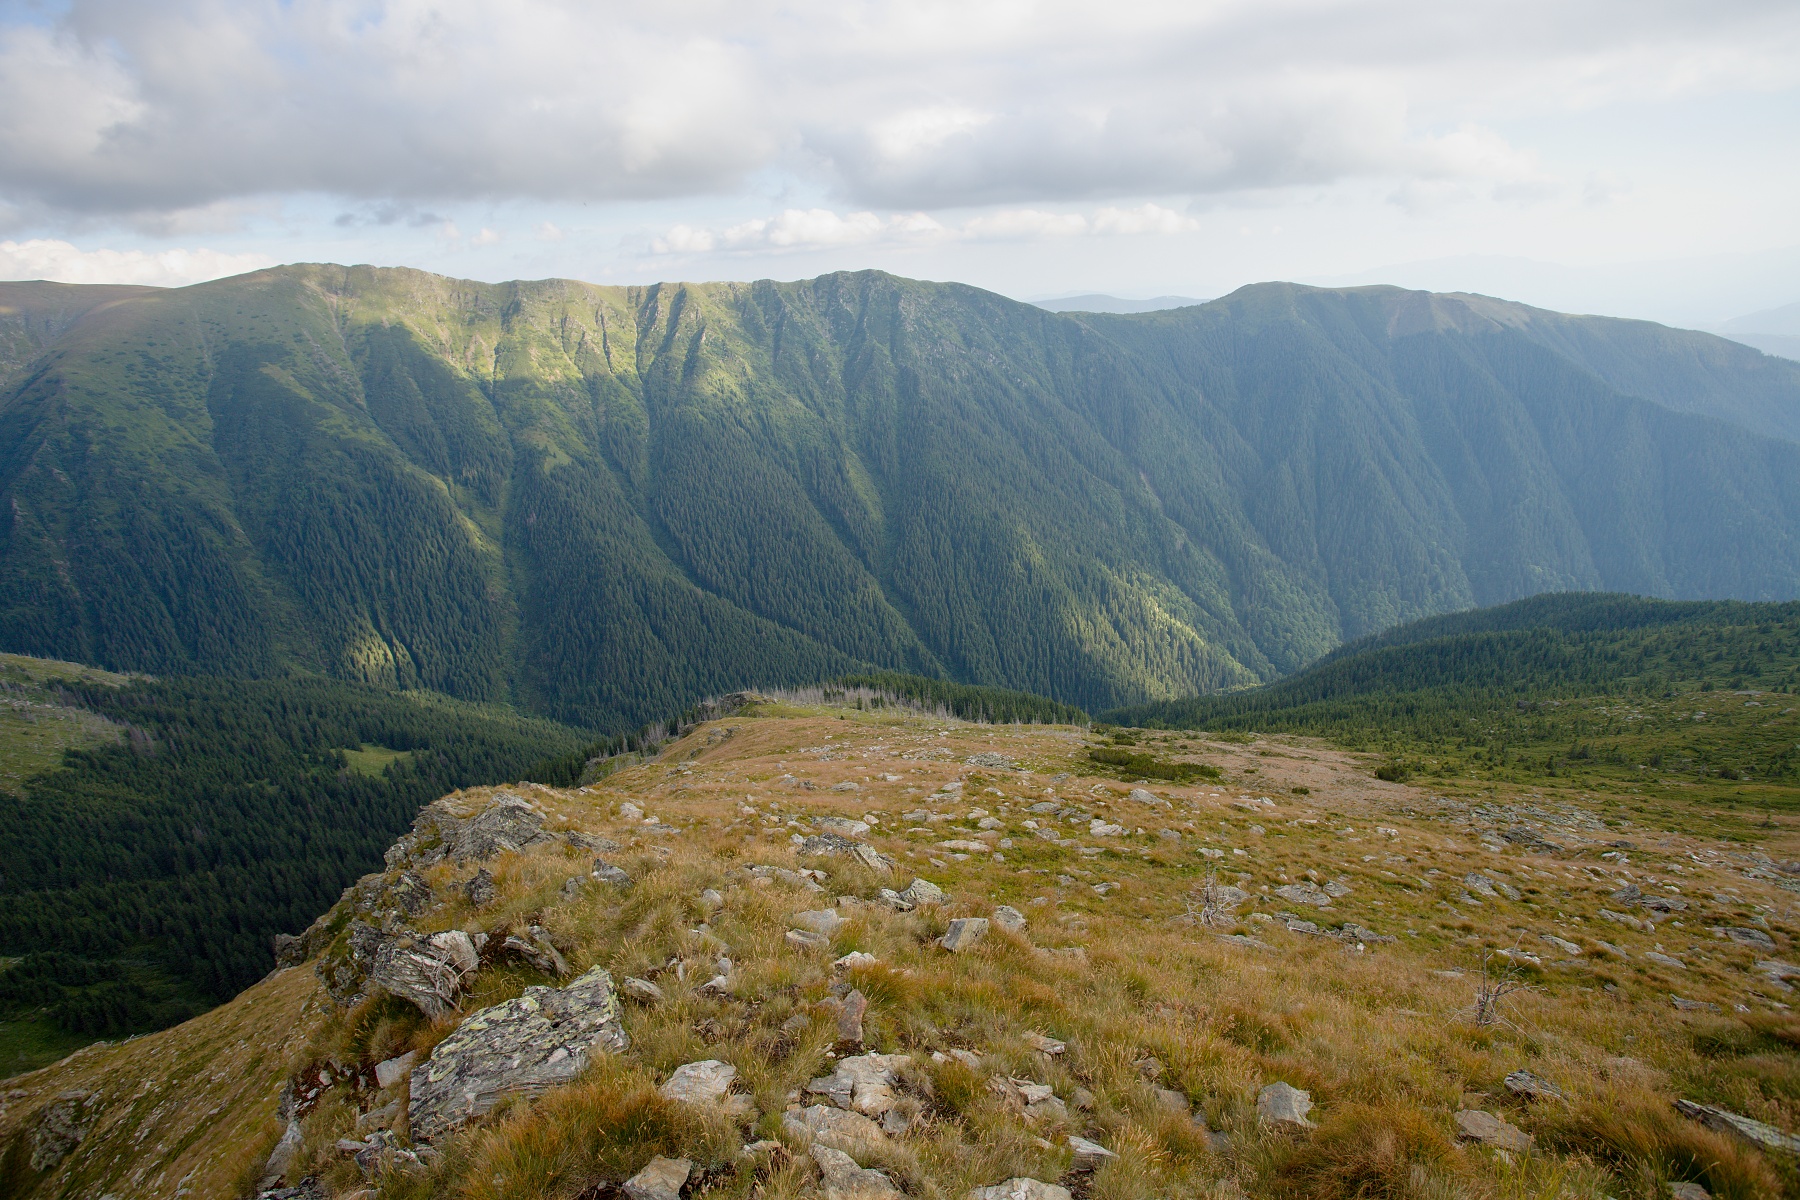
{"x":1629,"y":156}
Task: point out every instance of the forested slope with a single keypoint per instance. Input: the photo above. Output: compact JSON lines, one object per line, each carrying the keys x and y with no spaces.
{"x":604,"y":503}
{"x":143,"y":877}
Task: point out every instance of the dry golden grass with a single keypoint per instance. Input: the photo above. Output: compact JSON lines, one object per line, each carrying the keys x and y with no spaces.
{"x":1382,"y":1037}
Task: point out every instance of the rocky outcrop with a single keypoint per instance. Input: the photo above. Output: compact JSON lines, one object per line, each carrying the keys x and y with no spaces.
{"x":541,"y":1040}
{"x":428,"y":972}
{"x":60,"y":1128}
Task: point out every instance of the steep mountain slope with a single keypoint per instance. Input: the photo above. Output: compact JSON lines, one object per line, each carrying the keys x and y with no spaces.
{"x":605,"y":502}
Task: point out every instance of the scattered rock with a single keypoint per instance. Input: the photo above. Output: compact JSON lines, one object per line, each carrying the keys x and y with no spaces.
{"x":854,"y":960}
{"x":1665,"y":960}
{"x":1045,"y":1045}
{"x":662,"y":1179}
{"x":390,"y":1071}
{"x":889,"y":898}
{"x":1563,"y":944}
{"x":711,"y":900}
{"x":835,"y":1127}
{"x":605,"y":872}
{"x":1755,"y":1132}
{"x":991,"y":761}
{"x":963,"y":933}
{"x":1524,"y":1083}
{"x":863,"y":1083}
{"x":641,"y":989}
{"x":921,"y":893}
{"x":480,"y":888}
{"x":293,"y":1140}
{"x":540,"y":1040}
{"x":1009,"y":919}
{"x":1484,"y":1127}
{"x":1685,"y":1005}
{"x":806,"y":939}
{"x":1284,"y":1106}
{"x":1304,"y":893}
{"x":1089,"y":1156}
{"x":841,"y":825}
{"x":1754,"y":938}
{"x":1777,"y":972}
{"x":702,"y":1083}
{"x":787,"y":876}
{"x":1143,"y":796}
{"x":819,"y":920}
{"x":850,"y":1017}
{"x":1021,"y":1188}
{"x":844,"y":1179}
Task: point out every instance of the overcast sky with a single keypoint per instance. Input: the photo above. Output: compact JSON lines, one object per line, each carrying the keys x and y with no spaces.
{"x":1640,"y":157}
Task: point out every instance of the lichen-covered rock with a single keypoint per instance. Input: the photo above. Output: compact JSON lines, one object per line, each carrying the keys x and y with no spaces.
{"x":1766,"y":1137}
{"x":444,"y":830}
{"x":541,"y":1040}
{"x":419,"y":974}
{"x":835,"y":1127}
{"x":60,"y":1127}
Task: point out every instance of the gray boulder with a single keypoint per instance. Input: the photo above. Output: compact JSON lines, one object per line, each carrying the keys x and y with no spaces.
{"x":1304,"y":893}
{"x":834,"y":1127}
{"x":922,"y":892}
{"x":61,"y":1126}
{"x":1008,"y":919}
{"x":543,"y":1039}
{"x":1021,"y":1188}
{"x":963,"y":933}
{"x":1284,"y":1106}
{"x":991,"y":761}
{"x":845,"y":1180}
{"x":661,"y":1179}
{"x":702,"y":1083}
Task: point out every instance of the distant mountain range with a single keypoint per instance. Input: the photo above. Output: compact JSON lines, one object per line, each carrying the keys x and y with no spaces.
{"x":1098,"y":302}
{"x":1773,"y":331}
{"x":600,"y":503}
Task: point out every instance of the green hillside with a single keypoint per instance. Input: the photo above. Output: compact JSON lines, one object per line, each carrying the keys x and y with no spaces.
{"x":144,"y":873}
{"x":600,"y":504}
{"x":1693,"y":703}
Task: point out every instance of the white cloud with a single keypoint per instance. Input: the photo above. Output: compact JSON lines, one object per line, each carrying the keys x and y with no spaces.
{"x":116,"y":107}
{"x":62,"y":262}
{"x":822,"y":229}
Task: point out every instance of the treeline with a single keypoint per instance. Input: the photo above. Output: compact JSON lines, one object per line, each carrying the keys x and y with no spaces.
{"x":1501,"y":680}
{"x":969,"y":702}
{"x":230,"y":813}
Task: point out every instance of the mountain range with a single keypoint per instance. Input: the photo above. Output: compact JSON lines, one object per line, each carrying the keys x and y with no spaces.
{"x":599,"y":503}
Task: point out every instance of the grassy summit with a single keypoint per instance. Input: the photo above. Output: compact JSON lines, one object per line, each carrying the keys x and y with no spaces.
{"x":1140,"y":1006}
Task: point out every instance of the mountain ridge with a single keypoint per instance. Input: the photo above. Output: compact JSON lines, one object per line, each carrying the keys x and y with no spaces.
{"x":605,"y":502}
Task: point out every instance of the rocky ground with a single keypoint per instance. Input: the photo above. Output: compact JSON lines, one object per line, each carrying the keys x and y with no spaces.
{"x":866,"y":953}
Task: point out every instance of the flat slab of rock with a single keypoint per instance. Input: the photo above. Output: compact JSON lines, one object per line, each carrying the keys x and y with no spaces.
{"x":963,"y":933}
{"x":1750,"y":1130}
{"x":845,"y":1179}
{"x":1304,"y":893}
{"x":661,"y":1179}
{"x":1284,"y":1106}
{"x":703,"y":1083}
{"x":1524,"y":1083}
{"x":1021,"y":1188}
{"x":1476,"y":1126}
{"x":819,"y":920}
{"x":540,"y":1040}
{"x":834,"y":1127}
{"x":1089,"y":1156}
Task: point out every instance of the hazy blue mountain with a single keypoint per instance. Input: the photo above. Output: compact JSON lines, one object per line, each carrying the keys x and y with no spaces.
{"x":601,"y":503}
{"x":1100,"y":303}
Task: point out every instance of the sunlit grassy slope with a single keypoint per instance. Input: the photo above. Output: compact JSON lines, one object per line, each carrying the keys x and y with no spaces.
{"x":1170,"y":1024}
